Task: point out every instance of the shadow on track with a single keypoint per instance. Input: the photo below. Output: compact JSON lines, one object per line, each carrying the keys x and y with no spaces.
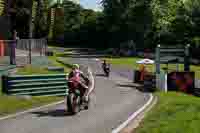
{"x":131,"y":85}
{"x":53,"y":113}
{"x":126,"y":85}
{"x":140,"y":87}
{"x":100,"y":75}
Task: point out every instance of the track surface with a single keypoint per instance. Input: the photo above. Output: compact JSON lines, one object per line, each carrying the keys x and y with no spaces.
{"x":112,"y":103}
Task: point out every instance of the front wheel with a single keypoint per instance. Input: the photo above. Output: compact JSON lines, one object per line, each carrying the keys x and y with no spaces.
{"x":86,"y":103}
{"x":73,"y":103}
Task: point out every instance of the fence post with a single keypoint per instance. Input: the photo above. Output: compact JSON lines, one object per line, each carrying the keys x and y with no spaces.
{"x":157,"y":65}
{"x":158,"y":59}
{"x":4,"y":84}
{"x":40,"y":47}
{"x":13,"y":52}
{"x":45,"y":47}
{"x":187,"y":58}
{"x":30,"y":41}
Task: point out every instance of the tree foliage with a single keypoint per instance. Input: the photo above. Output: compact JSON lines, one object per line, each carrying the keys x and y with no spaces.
{"x":72,"y":20}
{"x":21,"y":11}
{"x":128,"y":20}
{"x":41,"y":22}
{"x":145,"y":22}
{"x":58,"y":29}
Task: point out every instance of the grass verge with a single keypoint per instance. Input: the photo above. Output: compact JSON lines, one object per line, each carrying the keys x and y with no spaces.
{"x":130,"y":62}
{"x":174,"y":113}
{"x":58,"y":63}
{"x":12,"y":104}
{"x":28,"y":70}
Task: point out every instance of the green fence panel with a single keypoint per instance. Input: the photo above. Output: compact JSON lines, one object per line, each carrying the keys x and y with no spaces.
{"x":35,"y":85}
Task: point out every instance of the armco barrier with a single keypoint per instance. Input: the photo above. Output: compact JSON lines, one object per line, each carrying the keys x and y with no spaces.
{"x":35,"y":85}
{"x":5,"y":69}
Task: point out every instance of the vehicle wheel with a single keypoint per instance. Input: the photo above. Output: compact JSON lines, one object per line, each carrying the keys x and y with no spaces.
{"x":77,"y":103}
{"x":73,"y":103}
{"x":87,"y":104}
{"x":86,"y":107}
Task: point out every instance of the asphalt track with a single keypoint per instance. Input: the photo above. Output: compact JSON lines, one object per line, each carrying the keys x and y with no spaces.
{"x":112,"y":102}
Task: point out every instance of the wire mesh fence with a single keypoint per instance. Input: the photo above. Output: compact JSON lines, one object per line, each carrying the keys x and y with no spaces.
{"x":21,"y":52}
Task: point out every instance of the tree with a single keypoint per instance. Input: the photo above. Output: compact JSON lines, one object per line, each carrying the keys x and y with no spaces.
{"x":72,"y":20}
{"x":128,"y":20}
{"x":164,"y":15}
{"x":2,"y":7}
{"x":19,"y":12}
{"x":58,"y":29}
{"x":40,"y":22}
{"x":175,"y":21}
{"x":87,"y":33}
{"x":192,"y":8}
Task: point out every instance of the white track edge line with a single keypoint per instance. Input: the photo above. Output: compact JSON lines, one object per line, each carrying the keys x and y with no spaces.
{"x":123,"y":125}
{"x":29,"y":110}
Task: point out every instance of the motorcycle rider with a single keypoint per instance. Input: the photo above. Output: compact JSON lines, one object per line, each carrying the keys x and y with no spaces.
{"x":76,"y":75}
{"x":105,"y":65}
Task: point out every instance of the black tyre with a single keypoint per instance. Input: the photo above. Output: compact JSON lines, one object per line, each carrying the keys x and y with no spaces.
{"x":73,"y":103}
{"x":87,"y":104}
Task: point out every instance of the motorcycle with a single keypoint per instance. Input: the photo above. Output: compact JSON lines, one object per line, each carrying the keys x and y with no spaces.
{"x":75,"y":97}
{"x":106,"y":69}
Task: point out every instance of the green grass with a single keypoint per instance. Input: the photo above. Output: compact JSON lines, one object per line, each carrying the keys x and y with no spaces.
{"x":12,"y":104}
{"x":174,"y":113}
{"x":130,"y":62}
{"x":29,"y":70}
{"x":55,"y":62}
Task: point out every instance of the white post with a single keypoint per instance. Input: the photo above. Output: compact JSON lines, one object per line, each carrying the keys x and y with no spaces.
{"x":165,"y":82}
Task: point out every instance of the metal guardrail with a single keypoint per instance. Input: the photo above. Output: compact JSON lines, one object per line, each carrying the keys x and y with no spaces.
{"x":20,"y":52}
{"x":172,"y":50}
{"x":5,"y":69}
{"x":35,"y":85}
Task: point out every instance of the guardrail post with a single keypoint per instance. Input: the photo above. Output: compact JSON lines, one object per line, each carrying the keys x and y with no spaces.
{"x":45,"y":47}
{"x":13,"y":52}
{"x":40,"y":47}
{"x":187,"y":58}
{"x":30,"y":41}
{"x":158,"y":59}
{"x":4,"y":84}
{"x":157,"y":65}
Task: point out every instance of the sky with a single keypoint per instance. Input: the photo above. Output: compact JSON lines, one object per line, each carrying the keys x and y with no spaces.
{"x":91,"y":4}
